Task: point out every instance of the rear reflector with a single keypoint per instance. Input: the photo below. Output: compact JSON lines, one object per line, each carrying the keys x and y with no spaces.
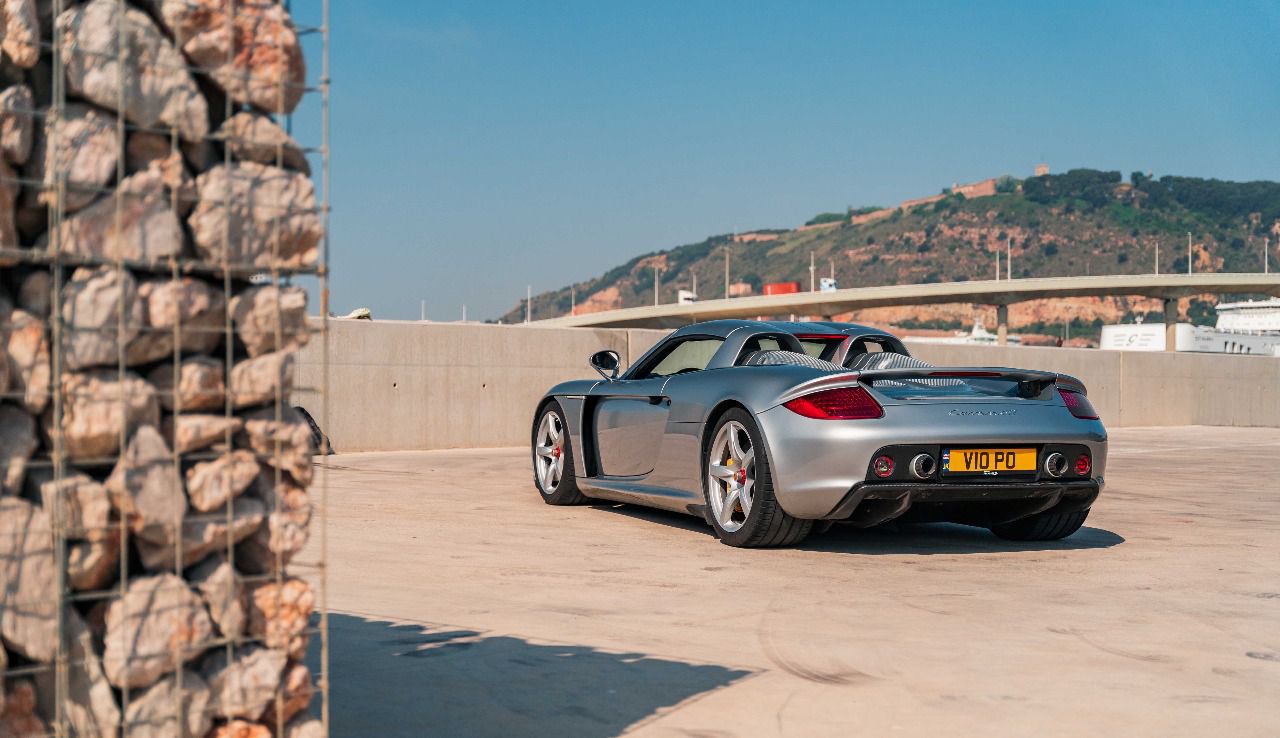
{"x":1078,"y":404}
{"x":1083,"y":464}
{"x":842,"y":403}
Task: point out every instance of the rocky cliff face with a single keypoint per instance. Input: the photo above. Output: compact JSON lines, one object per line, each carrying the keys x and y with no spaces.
{"x":147,"y":444}
{"x":958,"y":239}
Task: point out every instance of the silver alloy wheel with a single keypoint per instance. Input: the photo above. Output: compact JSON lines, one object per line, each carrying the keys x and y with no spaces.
{"x":731,"y":476}
{"x":550,"y":452}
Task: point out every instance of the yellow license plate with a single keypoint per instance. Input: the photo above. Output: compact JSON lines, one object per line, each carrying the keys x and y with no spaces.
{"x":988,"y":460}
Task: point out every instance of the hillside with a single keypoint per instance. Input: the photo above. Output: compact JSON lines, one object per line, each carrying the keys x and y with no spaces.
{"x":1077,"y":223}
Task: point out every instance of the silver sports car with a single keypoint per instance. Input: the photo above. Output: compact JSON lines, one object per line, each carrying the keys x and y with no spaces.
{"x":770,"y":430}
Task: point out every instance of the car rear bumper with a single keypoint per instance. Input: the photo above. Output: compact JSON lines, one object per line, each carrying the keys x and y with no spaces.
{"x":871,"y":503}
{"x":816,"y":464}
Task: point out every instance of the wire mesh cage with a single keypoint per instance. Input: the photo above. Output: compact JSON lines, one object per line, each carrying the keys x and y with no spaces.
{"x":161,"y":521}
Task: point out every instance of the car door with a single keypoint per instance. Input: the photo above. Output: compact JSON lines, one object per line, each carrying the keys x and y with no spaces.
{"x":630,"y":415}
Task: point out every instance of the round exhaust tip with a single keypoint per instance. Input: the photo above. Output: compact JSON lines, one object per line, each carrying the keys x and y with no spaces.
{"x":1055,"y":465}
{"x":923,"y":466}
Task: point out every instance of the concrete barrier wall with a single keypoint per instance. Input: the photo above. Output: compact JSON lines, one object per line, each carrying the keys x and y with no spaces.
{"x":407,"y":385}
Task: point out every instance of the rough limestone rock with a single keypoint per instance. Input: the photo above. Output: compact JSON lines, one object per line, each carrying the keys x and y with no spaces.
{"x":196,"y":306}
{"x":259,"y":313}
{"x":92,"y":565}
{"x":147,"y":489}
{"x":86,"y":505}
{"x":296,"y":691}
{"x":284,"y":443}
{"x":17,"y":444}
{"x":243,"y":688}
{"x":260,"y":380}
{"x":137,"y":221}
{"x":255,"y":56}
{"x":254,"y":214}
{"x":279,"y":614}
{"x":241,"y":729}
{"x":199,"y":385}
{"x":157,"y":618}
{"x":195,"y":432}
{"x":17,"y":126}
{"x":256,"y":137}
{"x":101,"y":309}
{"x":86,"y":153}
{"x":211,"y":483}
{"x":304,"y":727}
{"x":28,"y":609}
{"x":154,"y":713}
{"x":36,"y":292}
{"x":89,"y":702}
{"x":274,"y":545}
{"x":204,"y":534}
{"x":20,"y":719}
{"x":94,"y":415}
{"x":224,"y":595}
{"x":28,"y":350}
{"x":21,"y":32}
{"x":159,"y":89}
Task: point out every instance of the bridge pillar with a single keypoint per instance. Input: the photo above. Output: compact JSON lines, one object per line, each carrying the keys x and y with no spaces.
{"x":1171,"y":324}
{"x":1002,"y":325}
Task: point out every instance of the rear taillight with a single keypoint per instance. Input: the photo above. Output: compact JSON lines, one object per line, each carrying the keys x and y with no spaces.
{"x":1078,"y":404}
{"x":1083,"y":464}
{"x":842,"y":403}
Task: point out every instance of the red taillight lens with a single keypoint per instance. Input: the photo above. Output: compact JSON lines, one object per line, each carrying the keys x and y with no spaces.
{"x":882,"y":466}
{"x":842,"y":403}
{"x":1083,"y":464}
{"x":1078,"y":404}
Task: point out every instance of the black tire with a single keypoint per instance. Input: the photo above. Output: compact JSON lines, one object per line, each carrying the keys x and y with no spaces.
{"x":1045,"y":526}
{"x":767,"y":524}
{"x":565,"y":491}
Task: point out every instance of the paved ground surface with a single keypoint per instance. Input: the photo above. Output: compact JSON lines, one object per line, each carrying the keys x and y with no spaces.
{"x":465,"y":606}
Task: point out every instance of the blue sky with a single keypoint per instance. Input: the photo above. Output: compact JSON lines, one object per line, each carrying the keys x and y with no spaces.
{"x":482,"y":147}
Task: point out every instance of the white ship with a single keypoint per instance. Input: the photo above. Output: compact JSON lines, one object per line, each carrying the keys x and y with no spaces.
{"x":979,"y":335}
{"x":1250,"y":327}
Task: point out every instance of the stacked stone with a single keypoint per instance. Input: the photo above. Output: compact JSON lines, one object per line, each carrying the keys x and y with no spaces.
{"x":151,"y":468}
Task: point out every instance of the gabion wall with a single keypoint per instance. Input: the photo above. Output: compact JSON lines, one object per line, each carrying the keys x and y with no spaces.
{"x":154,"y":501}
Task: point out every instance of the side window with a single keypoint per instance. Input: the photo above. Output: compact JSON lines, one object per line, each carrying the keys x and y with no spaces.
{"x":758,"y":343}
{"x":692,"y":355}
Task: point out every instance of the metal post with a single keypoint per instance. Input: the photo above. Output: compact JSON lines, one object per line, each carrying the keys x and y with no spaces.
{"x":813,"y":287}
{"x":655,"y":284}
{"x":997,"y":265}
{"x":528,"y":303}
{"x":573,"y":299}
{"x":1266,"y":254}
{"x":1002,"y":325}
{"x":1157,"y":257}
{"x":1188,"y":252}
{"x":1171,"y":324}
{"x":1008,"y":261}
{"x":424,"y":310}
{"x":726,"y":272}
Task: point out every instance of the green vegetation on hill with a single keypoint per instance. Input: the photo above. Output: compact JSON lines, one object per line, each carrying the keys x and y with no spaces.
{"x":1081,"y":222}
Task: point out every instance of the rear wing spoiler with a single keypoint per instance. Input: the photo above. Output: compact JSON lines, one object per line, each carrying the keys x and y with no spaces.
{"x":975,"y":372}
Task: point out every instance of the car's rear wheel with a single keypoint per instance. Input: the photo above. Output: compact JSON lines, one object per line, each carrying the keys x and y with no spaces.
{"x":738,"y":487}
{"x":1045,"y":526}
{"x":553,"y":458}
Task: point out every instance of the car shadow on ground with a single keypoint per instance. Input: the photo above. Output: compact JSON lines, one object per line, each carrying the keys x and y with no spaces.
{"x":395,"y":679}
{"x":891,"y":538}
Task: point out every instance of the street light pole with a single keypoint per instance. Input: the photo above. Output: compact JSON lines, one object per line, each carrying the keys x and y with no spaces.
{"x":655,"y":284}
{"x":1188,"y":252}
{"x":528,"y":303}
{"x":1157,"y":257}
{"x":1008,"y":261}
{"x":813,"y":285}
{"x":1266,"y":254}
{"x":726,"y":271}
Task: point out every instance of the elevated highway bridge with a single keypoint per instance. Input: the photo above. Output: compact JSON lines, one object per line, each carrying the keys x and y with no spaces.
{"x":1001,"y":293}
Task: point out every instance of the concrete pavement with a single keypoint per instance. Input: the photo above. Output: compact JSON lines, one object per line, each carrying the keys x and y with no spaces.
{"x":465,"y":606}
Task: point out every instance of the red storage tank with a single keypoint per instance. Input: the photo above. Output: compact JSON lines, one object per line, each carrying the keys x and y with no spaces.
{"x":781,"y":288}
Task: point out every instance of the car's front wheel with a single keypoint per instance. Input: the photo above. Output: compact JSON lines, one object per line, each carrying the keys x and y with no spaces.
{"x":1045,"y":526}
{"x":738,"y":487}
{"x":553,"y":458}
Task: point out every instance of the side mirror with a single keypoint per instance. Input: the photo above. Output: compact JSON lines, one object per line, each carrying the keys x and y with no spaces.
{"x":606,"y":363}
